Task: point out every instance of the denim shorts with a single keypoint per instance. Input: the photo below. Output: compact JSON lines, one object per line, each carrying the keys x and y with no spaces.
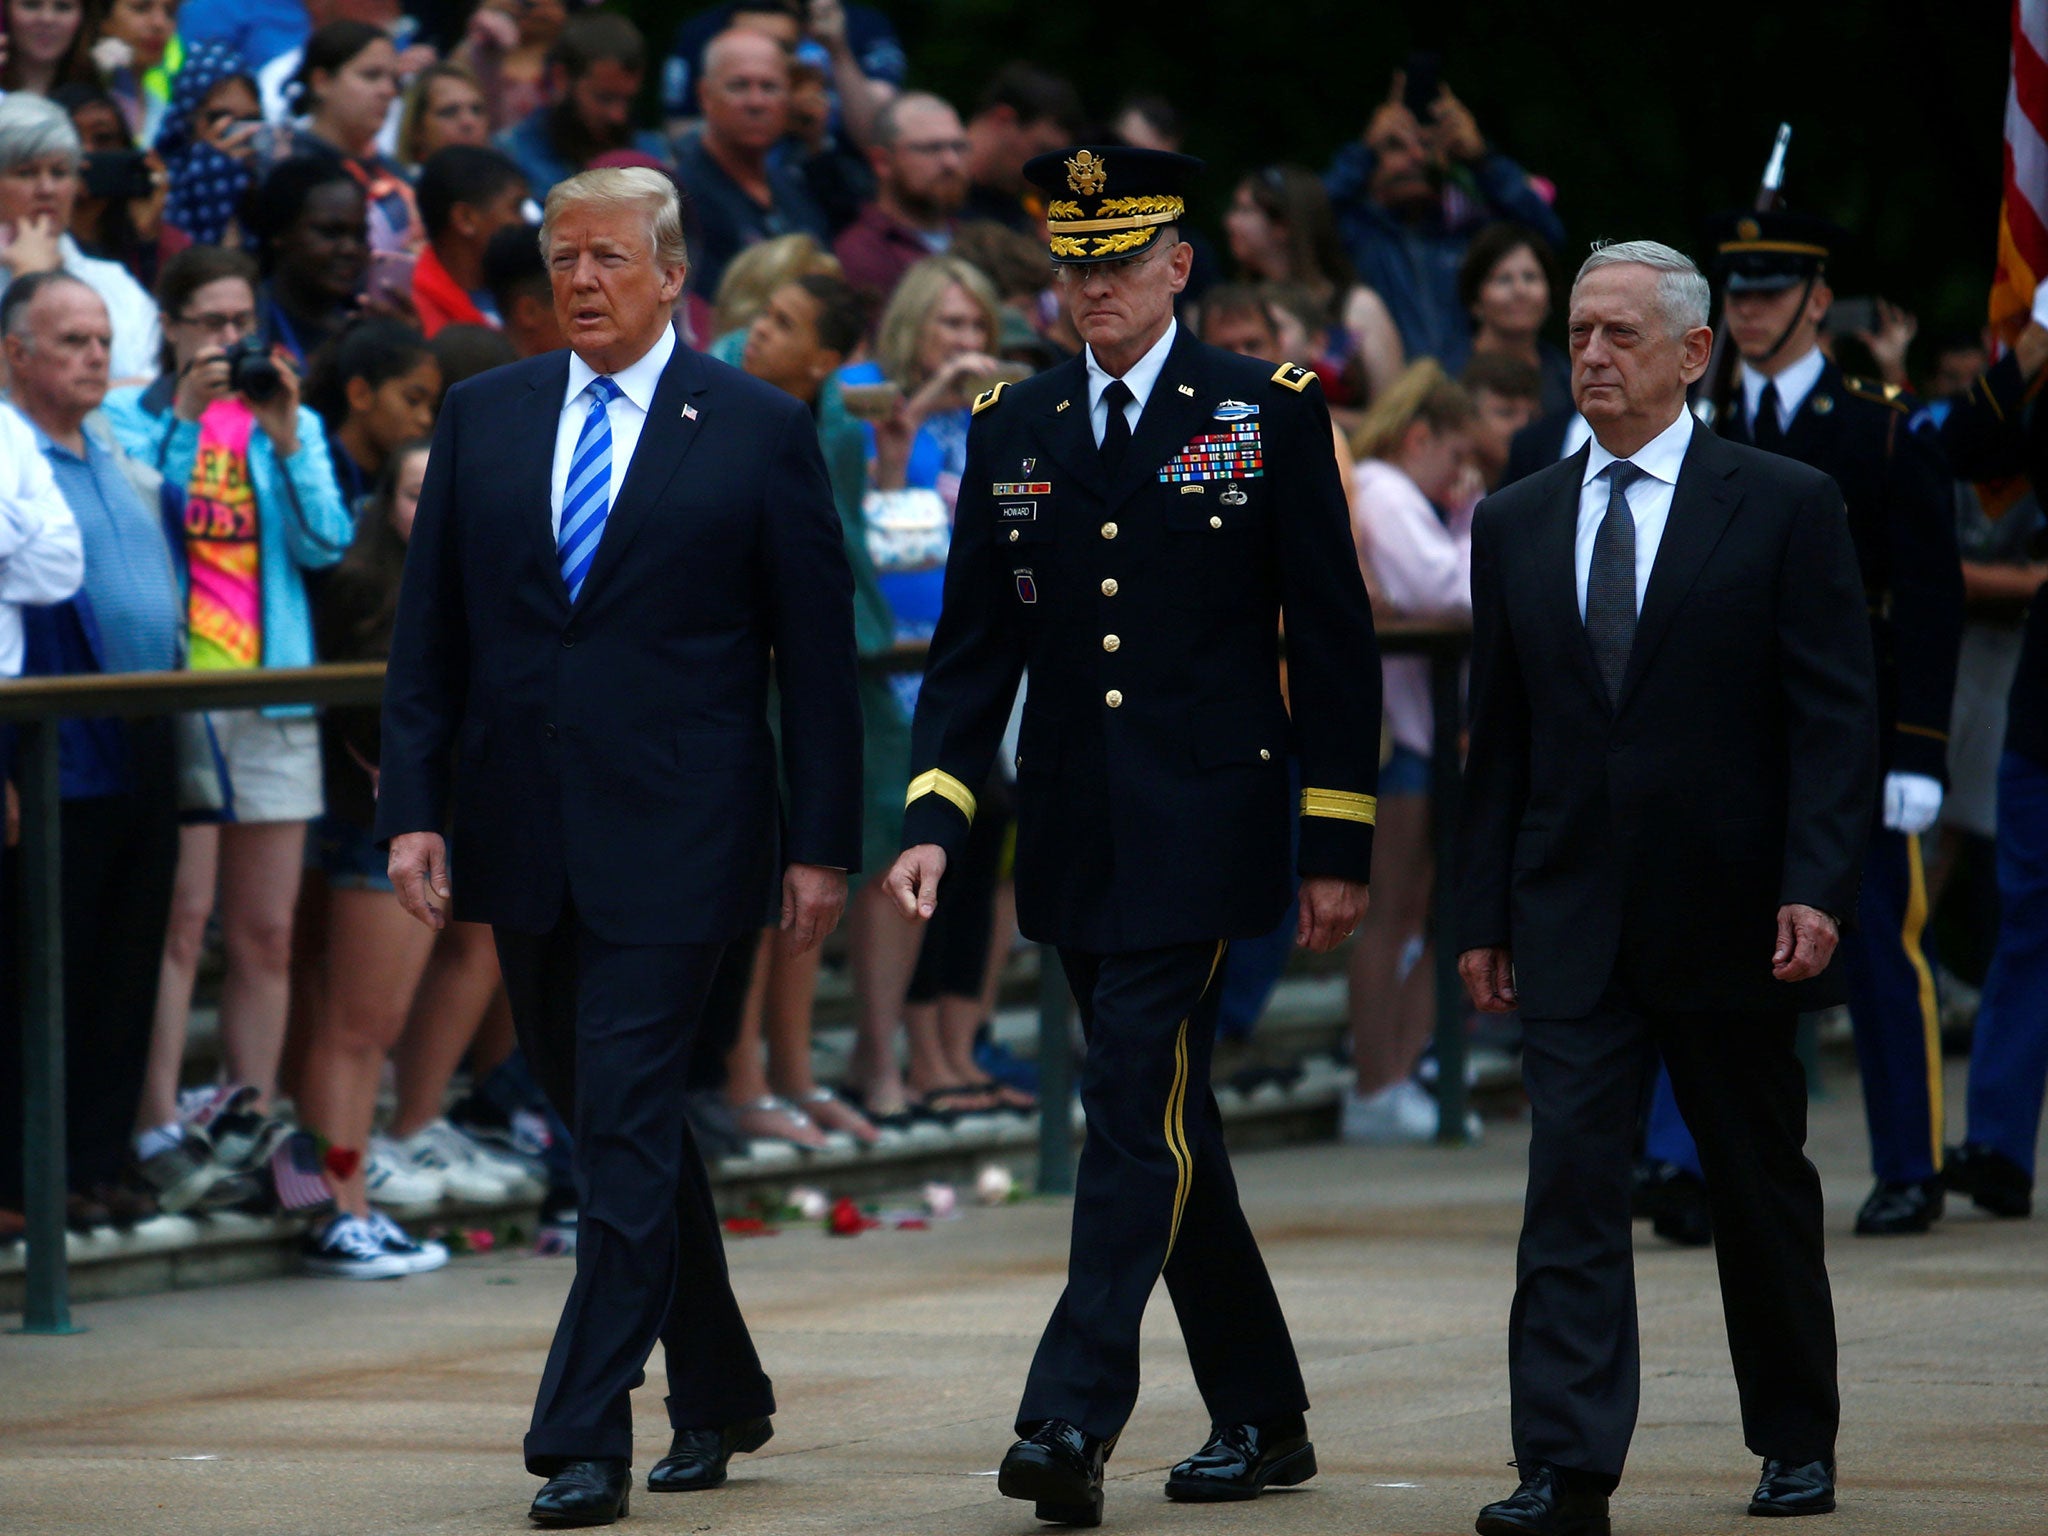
{"x":347,"y":855}
{"x":1405,"y":773}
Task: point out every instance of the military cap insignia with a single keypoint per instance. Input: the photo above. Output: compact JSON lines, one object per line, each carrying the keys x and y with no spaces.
{"x":988,"y":397}
{"x":1086,"y":173}
{"x":1293,"y":376}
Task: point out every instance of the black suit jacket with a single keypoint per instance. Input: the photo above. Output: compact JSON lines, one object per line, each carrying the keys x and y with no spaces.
{"x":617,"y":750}
{"x":1653,"y":843}
{"x":1162,"y":817}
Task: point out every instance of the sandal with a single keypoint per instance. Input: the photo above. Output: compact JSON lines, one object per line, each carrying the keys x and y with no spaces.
{"x":771,"y":1119}
{"x":832,"y":1113}
{"x":898,"y":1119}
{"x":950,"y":1104}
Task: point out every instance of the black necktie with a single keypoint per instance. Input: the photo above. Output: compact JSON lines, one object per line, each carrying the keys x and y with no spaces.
{"x":1765,"y":431}
{"x":1116,"y":432}
{"x":1611,"y":581}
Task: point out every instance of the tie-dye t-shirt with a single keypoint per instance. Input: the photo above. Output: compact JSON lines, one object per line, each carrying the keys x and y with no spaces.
{"x":221,"y":551}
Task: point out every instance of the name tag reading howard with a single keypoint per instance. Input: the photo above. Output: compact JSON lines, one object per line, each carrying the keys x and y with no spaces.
{"x":1018,"y":511}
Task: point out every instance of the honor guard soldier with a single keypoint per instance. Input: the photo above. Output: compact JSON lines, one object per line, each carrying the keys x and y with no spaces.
{"x":1131,"y":526}
{"x":1794,"y":400}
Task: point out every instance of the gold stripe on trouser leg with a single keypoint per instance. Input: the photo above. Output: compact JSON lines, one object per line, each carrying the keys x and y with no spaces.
{"x":1930,"y":1015}
{"x":1177,"y":1110}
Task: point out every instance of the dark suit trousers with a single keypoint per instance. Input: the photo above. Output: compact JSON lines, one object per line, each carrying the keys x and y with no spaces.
{"x":1573,"y":1359}
{"x":607,"y":1029}
{"x":1154,"y":1194}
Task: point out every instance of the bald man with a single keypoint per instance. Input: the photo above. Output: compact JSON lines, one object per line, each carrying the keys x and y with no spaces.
{"x":919,"y":157}
{"x":739,"y":198}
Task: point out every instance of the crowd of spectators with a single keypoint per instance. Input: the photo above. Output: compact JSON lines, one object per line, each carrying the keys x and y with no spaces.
{"x":246,"y":246}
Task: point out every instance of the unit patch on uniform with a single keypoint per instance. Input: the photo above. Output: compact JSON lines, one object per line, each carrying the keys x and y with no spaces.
{"x":1021,"y":488}
{"x":1236,"y":410}
{"x":1027,"y":586}
{"x":1018,"y":511}
{"x":1236,"y":454}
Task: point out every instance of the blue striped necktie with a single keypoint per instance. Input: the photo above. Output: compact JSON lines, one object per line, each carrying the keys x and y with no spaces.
{"x":586,"y":497}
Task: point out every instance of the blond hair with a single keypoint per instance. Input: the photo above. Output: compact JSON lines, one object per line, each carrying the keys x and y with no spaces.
{"x":1423,"y":392}
{"x":899,"y":336}
{"x":645,"y":191}
{"x":752,"y":277}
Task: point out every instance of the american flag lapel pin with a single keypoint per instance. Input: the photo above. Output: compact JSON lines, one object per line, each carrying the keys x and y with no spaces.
{"x":689,"y":413}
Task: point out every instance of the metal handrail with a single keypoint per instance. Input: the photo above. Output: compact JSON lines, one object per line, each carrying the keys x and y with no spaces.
{"x":36,"y":705}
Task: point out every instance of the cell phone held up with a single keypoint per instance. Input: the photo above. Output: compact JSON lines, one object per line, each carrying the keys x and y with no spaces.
{"x":118,"y":175}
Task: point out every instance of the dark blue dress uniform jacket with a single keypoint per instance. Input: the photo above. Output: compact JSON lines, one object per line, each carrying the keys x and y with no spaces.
{"x":1153,"y":804}
{"x":617,"y":750}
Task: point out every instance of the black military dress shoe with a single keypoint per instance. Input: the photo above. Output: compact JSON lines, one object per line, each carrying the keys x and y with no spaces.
{"x":1789,"y":1488}
{"x":1552,"y":1501}
{"x":696,"y":1457}
{"x":1059,"y":1468}
{"x":1675,"y":1200}
{"x":584,"y":1493}
{"x":1241,"y":1461}
{"x":1993,"y":1181}
{"x":1895,"y":1209}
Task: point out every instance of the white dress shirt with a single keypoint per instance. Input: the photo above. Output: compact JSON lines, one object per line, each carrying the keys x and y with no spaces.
{"x":1140,"y":378}
{"x":1795,"y":382}
{"x":627,"y":414}
{"x":42,"y":559}
{"x":1649,"y":499}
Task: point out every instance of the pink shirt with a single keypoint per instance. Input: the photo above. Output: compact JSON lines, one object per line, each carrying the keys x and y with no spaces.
{"x":1423,"y":565}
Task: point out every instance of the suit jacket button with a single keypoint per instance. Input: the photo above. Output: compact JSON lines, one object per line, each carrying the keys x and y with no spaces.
{"x":1265,"y":756}
{"x":1109,"y":586}
{"x":548,"y":731}
{"x":569,"y":635}
{"x":1109,"y":530}
{"x":1015,"y":535}
{"x":1110,"y":642}
{"x":1113,"y":699}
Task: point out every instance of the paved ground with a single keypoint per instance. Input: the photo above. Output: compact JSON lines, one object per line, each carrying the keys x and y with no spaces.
{"x":298,"y":1406}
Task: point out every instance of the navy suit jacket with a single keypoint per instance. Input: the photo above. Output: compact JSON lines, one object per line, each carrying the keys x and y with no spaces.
{"x":616,"y":751}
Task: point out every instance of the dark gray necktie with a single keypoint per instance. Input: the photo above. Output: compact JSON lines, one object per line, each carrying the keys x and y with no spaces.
{"x":1116,"y":432}
{"x":1611,"y":581}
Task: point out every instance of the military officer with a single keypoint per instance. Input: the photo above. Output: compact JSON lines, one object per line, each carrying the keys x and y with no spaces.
{"x":1795,"y":401}
{"x":1131,"y":525}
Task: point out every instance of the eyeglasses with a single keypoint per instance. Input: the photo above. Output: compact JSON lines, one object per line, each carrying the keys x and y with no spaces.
{"x":208,"y":320}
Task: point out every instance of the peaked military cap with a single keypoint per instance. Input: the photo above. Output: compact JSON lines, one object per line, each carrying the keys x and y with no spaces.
{"x":1108,"y":202}
{"x":1769,"y":252}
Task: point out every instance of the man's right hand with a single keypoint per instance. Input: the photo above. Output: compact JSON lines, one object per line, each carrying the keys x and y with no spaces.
{"x":419,"y":873}
{"x":1489,"y":975}
{"x":914,"y":880}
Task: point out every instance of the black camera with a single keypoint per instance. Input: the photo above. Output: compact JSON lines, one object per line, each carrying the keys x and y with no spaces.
{"x":252,"y":373}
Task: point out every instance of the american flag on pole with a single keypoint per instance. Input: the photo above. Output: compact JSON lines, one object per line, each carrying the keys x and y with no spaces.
{"x":2023,"y":214}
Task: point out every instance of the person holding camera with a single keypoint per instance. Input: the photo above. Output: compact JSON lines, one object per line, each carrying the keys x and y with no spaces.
{"x":224,"y":423}
{"x":40,"y":159}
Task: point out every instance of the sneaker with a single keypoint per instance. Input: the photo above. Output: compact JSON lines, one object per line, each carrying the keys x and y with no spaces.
{"x":347,"y":1248}
{"x":462,"y":1177}
{"x":556,"y":1237}
{"x":186,"y":1176}
{"x":524,"y":1133}
{"x":519,"y":1177}
{"x":1395,"y":1116}
{"x":419,"y":1254}
{"x":392,"y":1181}
{"x":243,"y":1138}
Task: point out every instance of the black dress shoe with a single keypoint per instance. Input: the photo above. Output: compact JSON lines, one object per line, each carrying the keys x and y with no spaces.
{"x":696,"y":1457}
{"x":1241,"y":1461}
{"x":1895,"y":1209}
{"x":1675,"y":1199}
{"x":584,"y":1493}
{"x":1993,"y":1181}
{"x":1059,"y":1468}
{"x":1804,"y":1488}
{"x":1552,"y":1501}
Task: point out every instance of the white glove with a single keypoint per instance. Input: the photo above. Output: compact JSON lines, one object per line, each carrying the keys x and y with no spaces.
{"x":1911,"y":802}
{"x":2041,"y":302}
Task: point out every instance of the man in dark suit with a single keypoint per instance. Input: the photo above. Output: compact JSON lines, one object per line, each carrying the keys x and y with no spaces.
{"x":1130,"y":526}
{"x":1672,"y":771}
{"x":610,"y":542}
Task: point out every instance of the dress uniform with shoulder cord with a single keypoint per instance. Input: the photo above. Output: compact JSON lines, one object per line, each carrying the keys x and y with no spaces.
{"x":1132,"y":542}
